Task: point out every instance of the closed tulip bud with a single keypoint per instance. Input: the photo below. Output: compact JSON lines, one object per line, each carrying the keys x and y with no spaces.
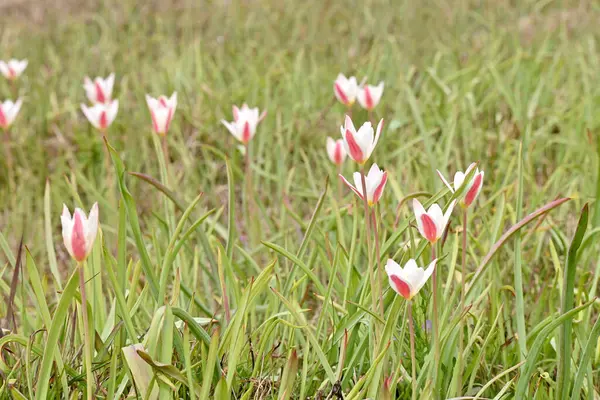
{"x":473,"y":187}
{"x":79,"y":232}
{"x":8,"y":112}
{"x":245,"y":121}
{"x":360,"y":144}
{"x":101,"y":115}
{"x":12,"y":69}
{"x":408,"y":280}
{"x":432,"y":223}
{"x":345,"y":89}
{"x":375,"y":181}
{"x":100,"y":89}
{"x":162,"y":111}
{"x":336,"y":151}
{"x":369,"y":96}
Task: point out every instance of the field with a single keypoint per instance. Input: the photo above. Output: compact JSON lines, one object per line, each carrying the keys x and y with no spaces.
{"x":224,"y":271}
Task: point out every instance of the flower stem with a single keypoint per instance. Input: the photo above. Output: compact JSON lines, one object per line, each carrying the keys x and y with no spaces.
{"x":363,"y":181}
{"x":165,"y":148}
{"x":435,"y":322}
{"x":339,"y":185}
{"x":413,"y":357}
{"x":379,"y":277}
{"x":462,"y":302}
{"x":86,"y":334}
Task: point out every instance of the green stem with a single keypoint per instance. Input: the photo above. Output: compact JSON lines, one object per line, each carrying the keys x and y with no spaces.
{"x":518,"y":272}
{"x":461,"y":326}
{"x":413,"y":357}
{"x":435,"y":322}
{"x":86,"y":335}
{"x":363,"y":181}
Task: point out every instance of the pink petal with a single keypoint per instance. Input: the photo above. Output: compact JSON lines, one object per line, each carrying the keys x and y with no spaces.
{"x":429,"y":228}
{"x":340,"y":93}
{"x":355,"y":150}
{"x":99,"y":93}
{"x":379,"y":190}
{"x":78,"y":238}
{"x":472,"y":193}
{"x":401,"y":287}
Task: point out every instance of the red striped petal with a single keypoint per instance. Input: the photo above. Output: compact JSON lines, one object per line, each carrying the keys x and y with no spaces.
{"x":78,"y":238}
{"x":355,"y":150}
{"x":341,"y":94}
{"x":3,"y":121}
{"x":103,"y":123}
{"x":401,"y":286}
{"x":337,"y":153}
{"x":429,"y":228}
{"x":472,"y":193}
{"x":100,"y":98}
{"x":368,"y":98}
{"x":379,"y":189}
{"x":246,"y":133}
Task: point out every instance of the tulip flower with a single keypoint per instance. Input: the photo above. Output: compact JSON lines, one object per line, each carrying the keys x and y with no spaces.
{"x":345,"y":89}
{"x":245,"y":120}
{"x":99,"y":90}
{"x":432,"y":223}
{"x":473,"y":188}
{"x":360,"y":144}
{"x":12,"y":69}
{"x":161,"y":111}
{"x":375,"y":181}
{"x":8,"y":112}
{"x":79,"y":232}
{"x":336,"y":150}
{"x":101,"y":115}
{"x":408,"y":280}
{"x":368,"y":96}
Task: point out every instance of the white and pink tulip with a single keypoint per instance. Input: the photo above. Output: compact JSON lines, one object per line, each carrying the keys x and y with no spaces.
{"x":245,"y":121}
{"x":375,"y":181}
{"x":369,"y":96}
{"x":79,"y":232}
{"x":336,"y":151}
{"x":360,"y":144}
{"x":345,"y":89}
{"x":12,"y":69}
{"x":473,"y":187}
{"x":101,"y":115}
{"x":407,"y":281}
{"x":100,"y":89}
{"x":8,"y":112}
{"x":162,"y":110}
{"x":433,"y":222}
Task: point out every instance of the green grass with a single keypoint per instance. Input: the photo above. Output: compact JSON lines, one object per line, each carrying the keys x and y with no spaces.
{"x":465,"y":81}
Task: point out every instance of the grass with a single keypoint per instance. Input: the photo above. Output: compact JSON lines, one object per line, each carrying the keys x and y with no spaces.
{"x":258,"y":288}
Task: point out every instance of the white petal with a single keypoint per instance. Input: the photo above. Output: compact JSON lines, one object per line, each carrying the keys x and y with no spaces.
{"x":91,"y":113}
{"x":437,"y":215}
{"x":377,"y":134}
{"x":459,"y":179}
{"x":4,"y":69}
{"x":331,"y":149}
{"x":448,"y":213}
{"x":445,"y":181}
{"x":364,"y":139}
{"x":232,"y":129}
{"x":392,"y":268}
{"x":113,"y":108}
{"x":419,"y":211}
{"x":67,"y":228}
{"x":91,"y":228}
{"x":424,"y":277}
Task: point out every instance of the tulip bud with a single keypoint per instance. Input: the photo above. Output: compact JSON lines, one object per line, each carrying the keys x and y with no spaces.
{"x":79,"y":232}
{"x":162,"y":111}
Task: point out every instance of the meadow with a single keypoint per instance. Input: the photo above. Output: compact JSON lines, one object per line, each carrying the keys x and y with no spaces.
{"x":231,"y":270}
